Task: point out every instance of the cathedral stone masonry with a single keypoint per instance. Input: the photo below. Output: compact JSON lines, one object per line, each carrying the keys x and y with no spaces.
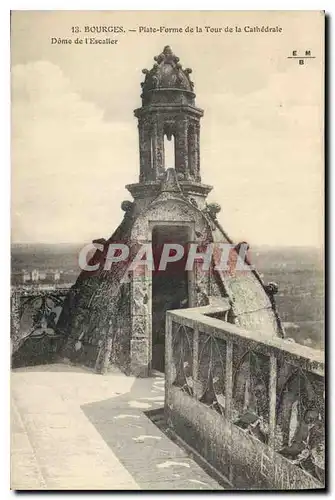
{"x":168,"y":110}
{"x":169,"y":206}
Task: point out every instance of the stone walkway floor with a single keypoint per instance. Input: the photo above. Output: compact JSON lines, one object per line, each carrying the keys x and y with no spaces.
{"x":73,"y":429}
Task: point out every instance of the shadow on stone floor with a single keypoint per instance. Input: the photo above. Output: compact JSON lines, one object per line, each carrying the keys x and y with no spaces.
{"x":149,"y":455}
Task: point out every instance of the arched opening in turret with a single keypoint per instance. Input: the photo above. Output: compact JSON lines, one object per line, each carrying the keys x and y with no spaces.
{"x":171,"y":286}
{"x":169,"y":151}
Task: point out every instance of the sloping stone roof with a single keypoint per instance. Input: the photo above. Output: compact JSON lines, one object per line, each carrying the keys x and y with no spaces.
{"x":252,"y":307}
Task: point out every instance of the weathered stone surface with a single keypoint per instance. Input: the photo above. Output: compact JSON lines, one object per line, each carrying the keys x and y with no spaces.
{"x":141,"y":326}
{"x":139,"y":355}
{"x":243,"y":459}
{"x":113,"y":307}
{"x":253,"y":406}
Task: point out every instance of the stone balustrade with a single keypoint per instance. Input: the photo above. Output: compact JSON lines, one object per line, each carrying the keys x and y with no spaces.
{"x":251,"y":405}
{"x":35,"y":337}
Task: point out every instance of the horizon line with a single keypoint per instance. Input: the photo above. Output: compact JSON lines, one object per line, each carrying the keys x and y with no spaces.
{"x":30,"y":243}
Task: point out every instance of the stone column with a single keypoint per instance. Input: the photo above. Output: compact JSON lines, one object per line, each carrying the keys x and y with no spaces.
{"x":141,"y":324}
{"x":157,"y":149}
{"x":181,"y":145}
{"x":145,"y":150}
{"x":192,"y":157}
{"x":169,"y":365}
{"x":197,"y":152}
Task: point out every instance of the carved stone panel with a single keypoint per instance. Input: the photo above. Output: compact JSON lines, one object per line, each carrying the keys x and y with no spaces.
{"x":141,"y":296}
{"x":139,"y":357}
{"x":182,"y":355}
{"x":211,"y":374}
{"x":301,"y":419}
{"x":141,"y":326}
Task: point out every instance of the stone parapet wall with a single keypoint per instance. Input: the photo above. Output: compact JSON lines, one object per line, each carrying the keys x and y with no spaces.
{"x":35,"y":336}
{"x":251,"y":405}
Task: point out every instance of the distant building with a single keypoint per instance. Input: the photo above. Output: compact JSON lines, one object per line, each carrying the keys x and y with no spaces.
{"x":35,"y":275}
{"x":25,"y":276}
{"x":57,"y":275}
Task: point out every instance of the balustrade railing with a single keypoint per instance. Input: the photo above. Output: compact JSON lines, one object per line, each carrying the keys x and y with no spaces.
{"x":271,"y":388}
{"x":35,"y":310}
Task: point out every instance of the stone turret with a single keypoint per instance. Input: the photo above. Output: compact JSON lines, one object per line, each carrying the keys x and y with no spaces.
{"x":169,"y":111}
{"x":116,"y":313}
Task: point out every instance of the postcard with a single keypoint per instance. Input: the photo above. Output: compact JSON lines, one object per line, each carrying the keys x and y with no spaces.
{"x":167,"y":271}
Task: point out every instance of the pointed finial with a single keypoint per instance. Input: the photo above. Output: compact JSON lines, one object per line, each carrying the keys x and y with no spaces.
{"x":167,"y":56}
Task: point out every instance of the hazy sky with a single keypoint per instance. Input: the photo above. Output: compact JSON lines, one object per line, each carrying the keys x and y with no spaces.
{"x":74,"y":136}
